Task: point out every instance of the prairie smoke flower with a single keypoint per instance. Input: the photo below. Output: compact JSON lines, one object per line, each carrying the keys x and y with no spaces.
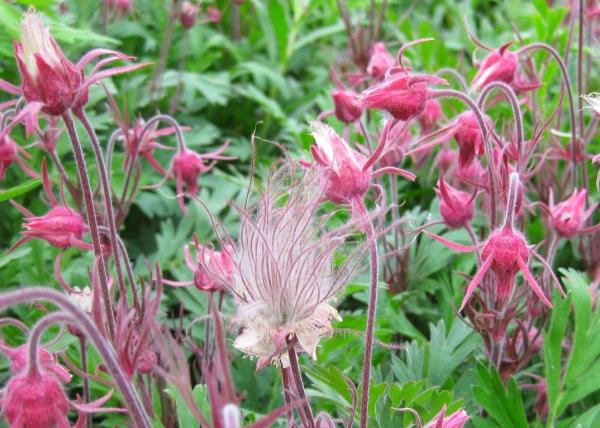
{"x":456,"y":420}
{"x":61,"y":227}
{"x":213,"y":15}
{"x":347,"y":105}
{"x":505,"y":253}
{"x":402,"y":95}
{"x":469,"y":137}
{"x":50,"y":82}
{"x":430,"y":116}
{"x":188,"y":165}
{"x":499,"y":66}
{"x":381,"y":61}
{"x":284,"y":280}
{"x":456,"y":207}
{"x":188,"y":14}
{"x":568,"y":217}
{"x":212,"y":269}
{"x":18,"y":361}
{"x":35,"y":399}
{"x":347,"y":173}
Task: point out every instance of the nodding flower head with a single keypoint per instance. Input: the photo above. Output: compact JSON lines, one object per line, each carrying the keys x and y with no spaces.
{"x":35,"y":399}
{"x":188,"y":165}
{"x":568,"y":217}
{"x":499,"y":66}
{"x":456,"y":420}
{"x":403,"y":95}
{"x":456,"y":206}
{"x":469,"y":137}
{"x":381,"y":61}
{"x":8,"y":154}
{"x":213,"y":15}
{"x":47,"y":361}
{"x":505,"y":253}
{"x":188,"y":14}
{"x":121,"y":7}
{"x":342,"y":166}
{"x":284,"y":280}
{"x":347,"y":106}
{"x":48,"y":76}
{"x":430,"y":116}
{"x":212,"y":269}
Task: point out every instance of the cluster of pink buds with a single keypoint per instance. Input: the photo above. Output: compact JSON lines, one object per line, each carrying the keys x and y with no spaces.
{"x":568,"y":218}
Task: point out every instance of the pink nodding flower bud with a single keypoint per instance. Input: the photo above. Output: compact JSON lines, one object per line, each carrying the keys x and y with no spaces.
{"x":8,"y":154}
{"x":430,"y":116}
{"x":35,"y":400}
{"x":469,"y":137}
{"x":398,"y":141}
{"x":403,"y":96}
{"x":212,"y":268}
{"x":122,"y":7}
{"x":47,"y":75}
{"x":456,"y":206}
{"x":568,"y":217}
{"x":146,"y":361}
{"x":188,"y":14}
{"x":62,"y":227}
{"x":18,"y":361}
{"x":381,"y":61}
{"x":347,"y":105}
{"x":499,"y":66}
{"x":187,"y":167}
{"x":456,"y":420}
{"x":213,"y":15}
{"x":343,"y":166}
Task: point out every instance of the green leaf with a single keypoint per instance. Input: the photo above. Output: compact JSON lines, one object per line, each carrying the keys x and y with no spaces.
{"x":279,"y":22}
{"x":19,"y":190}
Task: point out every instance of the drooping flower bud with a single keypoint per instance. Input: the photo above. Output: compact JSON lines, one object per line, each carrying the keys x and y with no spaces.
{"x":342,"y":165}
{"x":18,"y":361}
{"x":188,"y":14}
{"x":499,"y":66}
{"x":212,"y":266}
{"x":381,"y":60}
{"x":456,"y":420}
{"x":469,"y":137}
{"x":35,"y":400}
{"x":430,"y":116}
{"x":398,"y":140}
{"x":403,"y":96}
{"x":8,"y":154}
{"x":47,"y":75}
{"x":146,"y":361}
{"x":61,"y":227}
{"x":213,"y":15}
{"x":348,"y":108}
{"x":187,"y":167}
{"x":456,"y":206}
{"x":568,"y":217}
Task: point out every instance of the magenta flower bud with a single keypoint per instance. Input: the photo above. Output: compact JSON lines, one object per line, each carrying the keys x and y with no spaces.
{"x":188,"y":14}
{"x":213,"y":15}
{"x":499,"y":66}
{"x":122,"y":7}
{"x":211,"y":266}
{"x":347,"y":105}
{"x":398,"y":140}
{"x":18,"y":361}
{"x":61,"y":227}
{"x":456,"y":207}
{"x":8,"y":154}
{"x":430,"y":116}
{"x":146,"y":361}
{"x":47,"y":75}
{"x":469,"y":137}
{"x":568,"y":217}
{"x":342,"y":166}
{"x":403,"y":96}
{"x":381,"y":61}
{"x":456,"y":420}
{"x":35,"y":400}
{"x":187,"y":166}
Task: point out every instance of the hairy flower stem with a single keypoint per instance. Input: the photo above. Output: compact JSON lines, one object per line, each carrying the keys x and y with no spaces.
{"x":567,"y":83}
{"x":518,"y":116}
{"x":450,"y":93}
{"x":221,"y":346}
{"x":371,"y":312}
{"x":106,"y":189}
{"x":91,"y":215}
{"x":84,"y":323}
{"x":86,"y":381}
{"x":285,"y":379}
{"x":170,"y":121}
{"x":308,"y":416}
